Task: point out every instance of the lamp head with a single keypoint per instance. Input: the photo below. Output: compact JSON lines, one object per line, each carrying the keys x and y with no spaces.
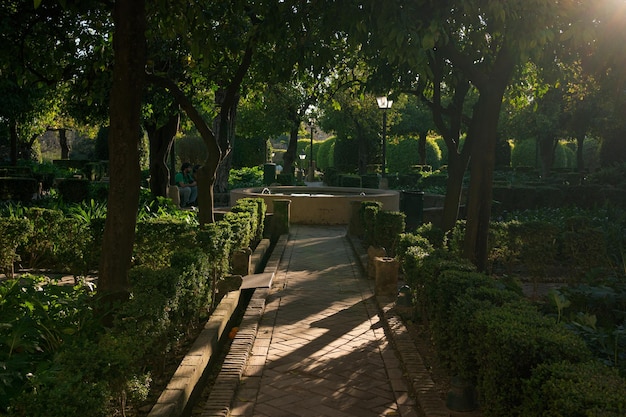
{"x":384,"y":103}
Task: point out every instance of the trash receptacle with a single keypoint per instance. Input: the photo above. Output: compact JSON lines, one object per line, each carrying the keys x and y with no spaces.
{"x":412,"y":205}
{"x":269,"y":173}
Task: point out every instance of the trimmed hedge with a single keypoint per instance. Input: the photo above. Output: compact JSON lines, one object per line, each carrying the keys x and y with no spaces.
{"x":173,"y":282}
{"x":486,"y":332}
{"x":574,"y":389}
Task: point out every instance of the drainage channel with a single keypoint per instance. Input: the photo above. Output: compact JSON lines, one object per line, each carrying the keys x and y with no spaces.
{"x":214,"y":391}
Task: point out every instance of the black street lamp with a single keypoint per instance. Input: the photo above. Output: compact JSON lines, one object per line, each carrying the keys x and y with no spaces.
{"x":384,"y":104}
{"x":311,"y":164}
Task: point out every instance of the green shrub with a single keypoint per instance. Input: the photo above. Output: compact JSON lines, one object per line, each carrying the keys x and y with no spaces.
{"x":324,"y":153}
{"x":13,"y":232}
{"x":538,"y":247}
{"x":286,"y":179}
{"x":368,"y":212}
{"x":388,"y":227}
{"x":433,"y":233}
{"x":38,"y":322}
{"x":508,"y":342}
{"x":257,"y":209}
{"x":216,"y":240}
{"x":453,"y":239}
{"x":245,"y":178}
{"x":407,"y":240}
{"x":441,"y":293}
{"x":583,"y":247}
{"x":74,"y":247}
{"x":241,"y":226}
{"x":404,"y":153}
{"x":157,"y":239}
{"x":47,"y":235}
{"x":457,"y":354}
{"x":350,"y":180}
{"x":574,"y":389}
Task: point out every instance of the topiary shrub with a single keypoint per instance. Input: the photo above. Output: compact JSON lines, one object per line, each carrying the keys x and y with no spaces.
{"x":567,"y":389}
{"x":157,"y":239}
{"x":388,"y":227}
{"x":367,"y":213}
{"x":508,"y":342}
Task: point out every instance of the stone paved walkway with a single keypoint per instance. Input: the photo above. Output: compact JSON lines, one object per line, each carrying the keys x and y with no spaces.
{"x":320,"y":349}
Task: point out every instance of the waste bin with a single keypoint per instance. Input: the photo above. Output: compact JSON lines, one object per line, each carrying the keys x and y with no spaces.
{"x":412,"y":205}
{"x":269,"y":173}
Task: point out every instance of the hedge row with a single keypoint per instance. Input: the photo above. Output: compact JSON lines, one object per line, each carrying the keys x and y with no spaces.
{"x":381,"y":228}
{"x":521,"y":362}
{"x":65,"y":361}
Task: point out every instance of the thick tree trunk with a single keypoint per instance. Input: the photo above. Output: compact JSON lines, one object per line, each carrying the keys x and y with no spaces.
{"x":125,"y":112}
{"x":161,"y":139}
{"x":483,"y":132}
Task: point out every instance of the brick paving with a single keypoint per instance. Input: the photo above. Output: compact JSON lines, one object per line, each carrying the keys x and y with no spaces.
{"x":320,"y":346}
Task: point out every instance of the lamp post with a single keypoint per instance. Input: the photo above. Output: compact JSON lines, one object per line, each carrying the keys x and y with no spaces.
{"x":311,"y":164}
{"x":384,"y":104}
{"x":302,"y":157}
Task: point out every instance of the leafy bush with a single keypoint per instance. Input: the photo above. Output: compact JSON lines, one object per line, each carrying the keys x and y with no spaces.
{"x":404,"y":153}
{"x":37,"y":321}
{"x":324,"y":154}
{"x":574,"y":389}
{"x":13,"y":232}
{"x":387,"y":229}
{"x":157,"y":239}
{"x":47,"y":234}
{"x":245,"y":178}
{"x":368,"y":212}
{"x":508,"y":342}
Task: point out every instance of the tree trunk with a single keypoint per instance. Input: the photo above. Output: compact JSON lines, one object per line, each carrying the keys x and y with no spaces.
{"x":125,"y":112}
{"x":547,"y":147}
{"x":224,"y":129}
{"x":65,"y":147}
{"x":483,"y":132}
{"x":161,"y":139}
{"x":206,"y":174}
{"x":457,"y":165}
{"x":292,"y":148}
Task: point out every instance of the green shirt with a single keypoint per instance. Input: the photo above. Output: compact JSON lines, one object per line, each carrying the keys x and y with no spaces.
{"x":182,"y":177}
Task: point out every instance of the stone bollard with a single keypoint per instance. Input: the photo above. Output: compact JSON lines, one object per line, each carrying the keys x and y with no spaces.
{"x":386,"y":276}
{"x":373,"y":252}
{"x":241,"y":262}
{"x":281,"y":218}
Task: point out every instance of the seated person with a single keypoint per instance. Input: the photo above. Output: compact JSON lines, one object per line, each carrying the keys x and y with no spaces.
{"x":187,"y":186}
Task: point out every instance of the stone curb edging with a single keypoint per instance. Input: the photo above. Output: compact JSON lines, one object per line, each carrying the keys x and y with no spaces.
{"x":174,"y":400}
{"x":418,"y":378}
{"x":223,"y":393}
